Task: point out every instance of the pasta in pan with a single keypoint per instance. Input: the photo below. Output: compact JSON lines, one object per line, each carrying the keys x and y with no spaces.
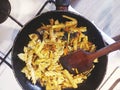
{"x":41,"y":55}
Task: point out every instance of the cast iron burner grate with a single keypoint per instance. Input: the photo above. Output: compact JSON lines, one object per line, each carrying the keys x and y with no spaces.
{"x":5,"y":9}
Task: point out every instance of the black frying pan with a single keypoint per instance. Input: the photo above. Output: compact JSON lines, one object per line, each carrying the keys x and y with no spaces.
{"x":22,"y":40}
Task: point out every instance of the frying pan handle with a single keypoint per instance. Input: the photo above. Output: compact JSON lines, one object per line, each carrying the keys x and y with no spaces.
{"x":62,"y":4}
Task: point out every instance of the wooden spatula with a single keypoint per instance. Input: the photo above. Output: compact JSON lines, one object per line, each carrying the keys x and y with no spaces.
{"x":84,"y":60}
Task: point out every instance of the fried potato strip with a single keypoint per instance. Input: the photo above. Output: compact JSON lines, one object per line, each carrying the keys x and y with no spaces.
{"x":42,"y":56}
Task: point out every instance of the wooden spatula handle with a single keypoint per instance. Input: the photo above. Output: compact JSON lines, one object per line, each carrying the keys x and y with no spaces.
{"x":105,"y":50}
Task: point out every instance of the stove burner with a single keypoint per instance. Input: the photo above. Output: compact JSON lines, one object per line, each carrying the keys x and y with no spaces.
{"x":5,"y":9}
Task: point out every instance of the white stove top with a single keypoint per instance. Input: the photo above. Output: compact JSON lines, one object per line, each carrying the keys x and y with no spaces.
{"x":23,"y":12}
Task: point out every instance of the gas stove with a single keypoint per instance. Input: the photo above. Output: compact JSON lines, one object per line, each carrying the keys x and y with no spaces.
{"x":21,"y":13}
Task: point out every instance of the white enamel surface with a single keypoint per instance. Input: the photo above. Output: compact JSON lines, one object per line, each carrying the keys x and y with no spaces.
{"x":25,"y":10}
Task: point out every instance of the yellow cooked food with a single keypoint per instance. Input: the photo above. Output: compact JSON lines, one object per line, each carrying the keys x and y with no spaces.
{"x":41,"y":55}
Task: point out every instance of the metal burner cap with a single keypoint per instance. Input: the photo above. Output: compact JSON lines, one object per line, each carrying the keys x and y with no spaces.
{"x":5,"y":9}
